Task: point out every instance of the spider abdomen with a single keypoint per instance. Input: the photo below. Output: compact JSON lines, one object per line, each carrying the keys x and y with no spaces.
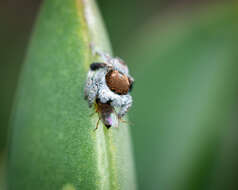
{"x":117,"y":82}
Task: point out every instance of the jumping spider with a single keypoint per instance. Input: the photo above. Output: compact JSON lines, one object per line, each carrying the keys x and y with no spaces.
{"x":107,"y":88}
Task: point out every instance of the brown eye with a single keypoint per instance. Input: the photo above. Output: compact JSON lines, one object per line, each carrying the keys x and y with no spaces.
{"x":117,"y":82}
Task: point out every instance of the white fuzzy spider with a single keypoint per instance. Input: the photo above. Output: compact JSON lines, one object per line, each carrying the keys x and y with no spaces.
{"x":107,"y":87}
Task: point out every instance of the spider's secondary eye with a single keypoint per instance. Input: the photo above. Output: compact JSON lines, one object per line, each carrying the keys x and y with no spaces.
{"x":96,"y":66}
{"x":117,"y":82}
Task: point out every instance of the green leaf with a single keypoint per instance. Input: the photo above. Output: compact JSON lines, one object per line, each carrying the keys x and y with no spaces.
{"x":52,"y":144}
{"x":186,"y":74}
{"x":2,"y":171}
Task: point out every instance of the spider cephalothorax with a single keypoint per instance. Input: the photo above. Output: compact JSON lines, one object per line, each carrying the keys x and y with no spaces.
{"x":108,"y":86}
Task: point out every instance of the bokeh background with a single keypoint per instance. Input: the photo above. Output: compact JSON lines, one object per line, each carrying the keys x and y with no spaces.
{"x":184,"y":57}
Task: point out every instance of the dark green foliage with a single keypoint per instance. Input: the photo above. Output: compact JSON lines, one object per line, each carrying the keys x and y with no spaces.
{"x":185,"y":95}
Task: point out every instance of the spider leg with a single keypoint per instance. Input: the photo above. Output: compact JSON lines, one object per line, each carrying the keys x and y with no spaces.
{"x":123,"y":104}
{"x":126,"y":121}
{"x":92,"y":114}
{"x":106,"y":57}
{"x":97,"y":124}
{"x":123,"y":110}
{"x":92,"y":96}
{"x":123,"y":121}
{"x":91,"y":89}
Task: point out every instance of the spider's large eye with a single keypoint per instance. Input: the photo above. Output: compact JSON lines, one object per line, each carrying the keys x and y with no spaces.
{"x":117,"y":82}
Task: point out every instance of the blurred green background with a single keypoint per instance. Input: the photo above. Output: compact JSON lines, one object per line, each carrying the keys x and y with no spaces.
{"x":183,"y":56}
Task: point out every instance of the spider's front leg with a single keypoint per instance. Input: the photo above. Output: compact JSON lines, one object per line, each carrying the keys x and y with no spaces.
{"x":104,"y":56}
{"x":97,"y":124}
{"x":93,"y":80}
{"x":91,"y":89}
{"x":123,"y":104}
{"x":124,"y":109}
